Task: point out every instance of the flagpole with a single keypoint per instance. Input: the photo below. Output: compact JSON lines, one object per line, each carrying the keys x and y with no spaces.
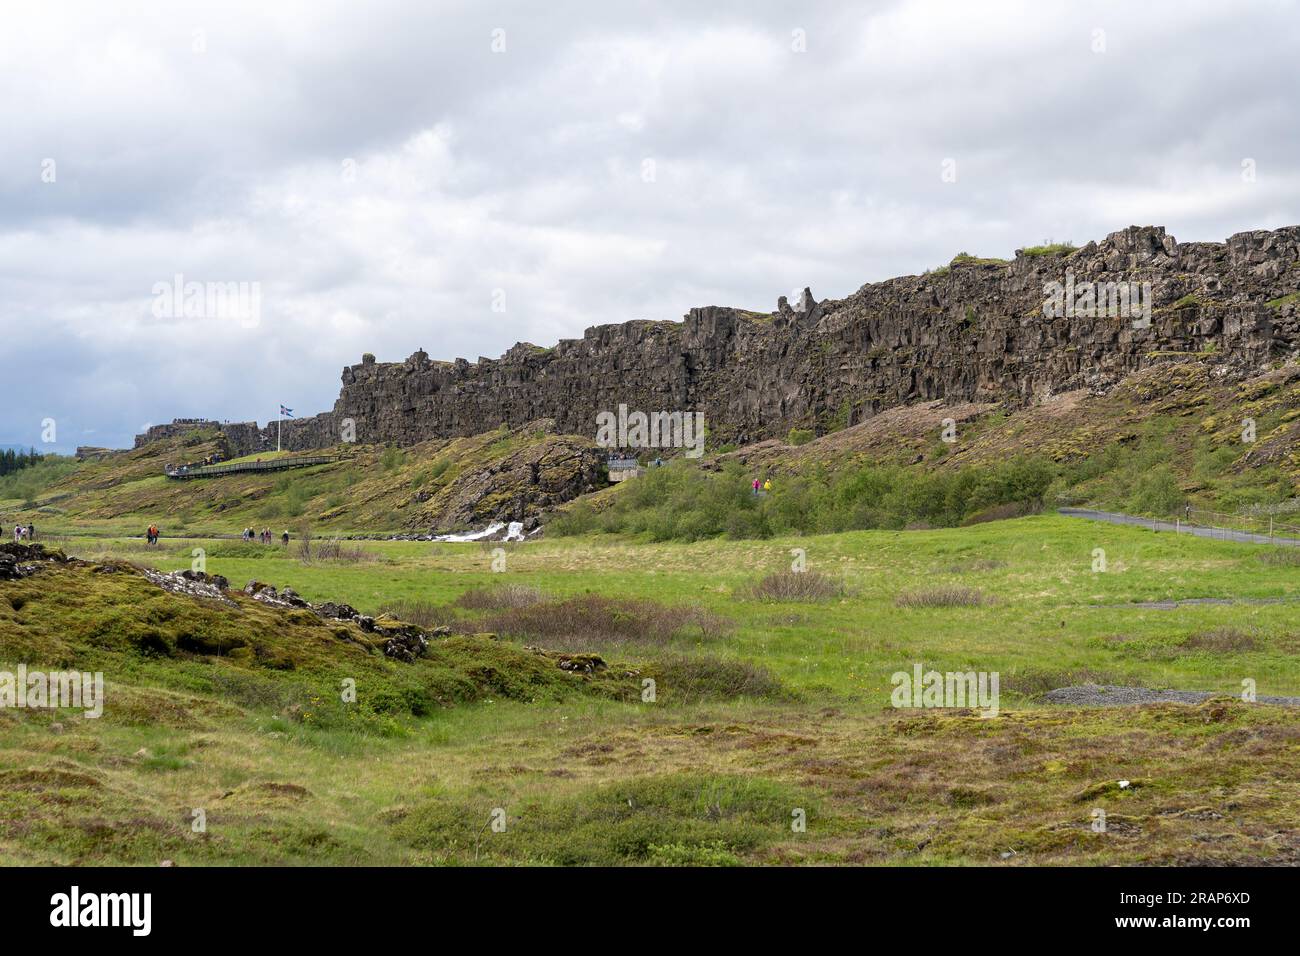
{"x":277,"y":435}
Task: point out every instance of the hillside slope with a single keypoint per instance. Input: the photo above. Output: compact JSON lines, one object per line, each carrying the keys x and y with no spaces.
{"x":442,"y":485}
{"x":1175,"y":436}
{"x":1182,"y":413}
{"x":1178,"y":433}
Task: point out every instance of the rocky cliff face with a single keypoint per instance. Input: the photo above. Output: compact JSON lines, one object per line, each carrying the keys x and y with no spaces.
{"x":972,"y":331}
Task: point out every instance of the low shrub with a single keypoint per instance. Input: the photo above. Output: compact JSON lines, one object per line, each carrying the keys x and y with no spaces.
{"x":1032,"y":683}
{"x":693,"y":678}
{"x":422,"y":614}
{"x":500,"y":598}
{"x":591,"y":623}
{"x":1281,"y":557}
{"x":944,"y":595}
{"x":1221,"y":640}
{"x":336,"y":550}
{"x":795,"y":586}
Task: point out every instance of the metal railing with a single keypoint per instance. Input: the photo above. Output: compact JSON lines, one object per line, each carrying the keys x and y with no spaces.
{"x":1262,"y":526}
{"x":273,"y":464}
{"x":1203,"y":524}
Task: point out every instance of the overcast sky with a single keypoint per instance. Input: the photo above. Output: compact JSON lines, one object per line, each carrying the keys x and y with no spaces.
{"x":461,"y":176}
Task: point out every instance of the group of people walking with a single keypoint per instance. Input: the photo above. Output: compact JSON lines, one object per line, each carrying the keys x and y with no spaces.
{"x":762,"y":485}
{"x":264,"y":536}
{"x":151,"y":535}
{"x":24,"y":533}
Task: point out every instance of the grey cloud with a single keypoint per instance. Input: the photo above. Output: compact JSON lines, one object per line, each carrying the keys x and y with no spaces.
{"x":523,"y":170}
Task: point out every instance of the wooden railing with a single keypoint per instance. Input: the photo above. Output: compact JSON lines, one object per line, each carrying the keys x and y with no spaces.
{"x":271,"y":464}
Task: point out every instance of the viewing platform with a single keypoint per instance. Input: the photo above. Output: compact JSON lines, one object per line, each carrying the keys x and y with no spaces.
{"x":622,"y":467}
{"x":185,"y":472}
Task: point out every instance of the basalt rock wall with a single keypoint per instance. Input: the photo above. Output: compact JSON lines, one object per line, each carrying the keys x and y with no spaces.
{"x":974,"y":330}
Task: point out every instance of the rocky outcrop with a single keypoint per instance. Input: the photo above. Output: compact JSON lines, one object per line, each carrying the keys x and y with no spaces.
{"x":92,"y":452}
{"x":18,"y":560}
{"x":971,"y":331}
{"x":398,"y":639}
{"x":520,"y":486}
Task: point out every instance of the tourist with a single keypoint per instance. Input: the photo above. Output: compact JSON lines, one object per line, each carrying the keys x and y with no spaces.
{"x":31,"y":532}
{"x":285,"y":539}
{"x":755,"y":486}
{"x":767,"y":485}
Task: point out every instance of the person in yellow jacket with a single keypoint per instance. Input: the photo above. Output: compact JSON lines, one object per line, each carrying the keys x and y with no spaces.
{"x":767,"y":485}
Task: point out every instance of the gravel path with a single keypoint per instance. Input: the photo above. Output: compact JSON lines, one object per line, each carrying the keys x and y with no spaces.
{"x":1171,"y":604}
{"x":1218,"y":534}
{"x":1094,"y":695}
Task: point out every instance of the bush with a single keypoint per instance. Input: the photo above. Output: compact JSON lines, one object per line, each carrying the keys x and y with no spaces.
{"x":1033,"y":682}
{"x":683,"y":502}
{"x":694,"y":678}
{"x":1157,"y":493}
{"x":1003,"y":512}
{"x":336,"y":550}
{"x":420,"y":613}
{"x":500,"y":598}
{"x":295,"y":501}
{"x":1281,"y":557}
{"x":591,"y":623}
{"x":947,"y":595}
{"x":1221,"y":640}
{"x":795,"y":586}
{"x":800,"y":436}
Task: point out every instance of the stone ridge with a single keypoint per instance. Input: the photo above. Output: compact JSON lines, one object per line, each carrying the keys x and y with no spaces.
{"x":972,"y":331}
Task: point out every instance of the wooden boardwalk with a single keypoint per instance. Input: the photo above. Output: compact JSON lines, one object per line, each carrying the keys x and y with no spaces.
{"x":186,"y":472}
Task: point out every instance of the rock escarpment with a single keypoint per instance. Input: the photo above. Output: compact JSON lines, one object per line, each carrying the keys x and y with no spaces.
{"x":971,"y":331}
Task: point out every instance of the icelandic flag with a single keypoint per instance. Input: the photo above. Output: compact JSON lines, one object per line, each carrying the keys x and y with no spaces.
{"x":286,"y":412}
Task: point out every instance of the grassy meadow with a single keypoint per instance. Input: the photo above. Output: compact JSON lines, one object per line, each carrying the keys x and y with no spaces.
{"x":771,"y":738}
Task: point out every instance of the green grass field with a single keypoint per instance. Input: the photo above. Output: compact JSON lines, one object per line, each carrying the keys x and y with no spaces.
{"x":822,"y":769}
